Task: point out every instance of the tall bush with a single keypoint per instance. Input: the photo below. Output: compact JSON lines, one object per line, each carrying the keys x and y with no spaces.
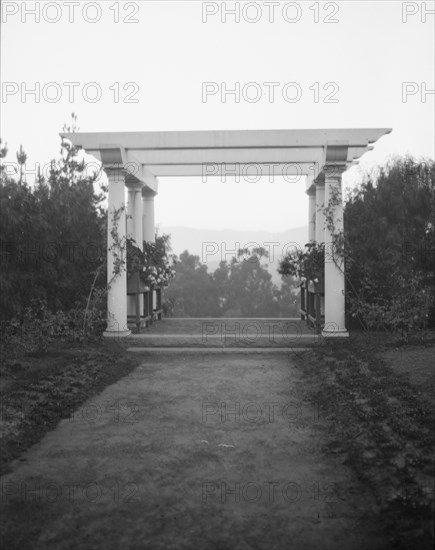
{"x":52,"y":235}
{"x":389,"y":230}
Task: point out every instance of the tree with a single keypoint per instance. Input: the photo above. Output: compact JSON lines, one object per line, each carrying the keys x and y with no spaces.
{"x":245,"y":287}
{"x":193,"y":289}
{"x":241,"y":288}
{"x":53,"y":236}
{"x":389,"y":229}
{"x":289,"y":297}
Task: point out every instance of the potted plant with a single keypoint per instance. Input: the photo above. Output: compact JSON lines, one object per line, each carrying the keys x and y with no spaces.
{"x":159,"y":263}
{"x":135,"y":266}
{"x":307,"y":265}
{"x":150,"y":268}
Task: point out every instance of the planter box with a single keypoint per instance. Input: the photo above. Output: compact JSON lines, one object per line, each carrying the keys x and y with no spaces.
{"x":317,"y":287}
{"x":135,"y":285}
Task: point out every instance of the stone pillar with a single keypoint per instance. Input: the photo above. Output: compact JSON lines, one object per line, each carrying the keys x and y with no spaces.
{"x":137,"y":218}
{"x":134,"y":221}
{"x":148,"y":223}
{"x":149,"y":230}
{"x":117,"y":282}
{"x":130,"y":234}
{"x":320,"y":225}
{"x":320,"y":216}
{"x":130,"y":212}
{"x":134,"y":231}
{"x":311,"y":215}
{"x":334,"y":262}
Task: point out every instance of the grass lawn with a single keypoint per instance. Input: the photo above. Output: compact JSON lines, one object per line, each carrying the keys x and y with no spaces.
{"x":379,"y":397}
{"x":37,"y":390}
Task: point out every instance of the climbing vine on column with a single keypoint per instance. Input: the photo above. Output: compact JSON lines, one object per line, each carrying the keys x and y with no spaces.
{"x":118,"y":249}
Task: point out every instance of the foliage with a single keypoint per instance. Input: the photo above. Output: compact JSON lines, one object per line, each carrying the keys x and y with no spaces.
{"x":247,"y":290}
{"x":168,"y":307}
{"x":38,"y":327}
{"x":289,"y":297}
{"x":406,"y":313}
{"x":53,"y":276}
{"x":389,"y":248}
{"x":154,"y":264}
{"x":54,"y":242}
{"x":307,"y":264}
{"x":396,"y":216}
{"x":240,"y":288}
{"x":386,"y":435}
{"x":53,"y":236}
{"x":193,"y":291}
{"x":118,"y":247}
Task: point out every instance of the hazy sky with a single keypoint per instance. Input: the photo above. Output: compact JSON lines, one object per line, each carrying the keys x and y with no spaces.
{"x":363,"y":59}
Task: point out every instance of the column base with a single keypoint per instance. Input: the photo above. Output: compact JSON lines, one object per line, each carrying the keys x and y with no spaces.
{"x":335,"y":333}
{"x":116,"y":333}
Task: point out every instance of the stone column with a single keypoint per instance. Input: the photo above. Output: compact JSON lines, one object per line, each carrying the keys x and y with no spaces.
{"x":134,"y":221}
{"x":130,"y":212}
{"x":320,"y":216}
{"x":134,"y":231}
{"x":137,"y":218}
{"x":148,"y":223}
{"x":334,"y":262}
{"x":116,"y":250}
{"x":320,"y":225}
{"x":130,"y":234}
{"x":311,"y":215}
{"x":149,"y":230}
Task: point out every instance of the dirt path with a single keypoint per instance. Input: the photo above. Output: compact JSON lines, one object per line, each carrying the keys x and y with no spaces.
{"x":190,"y":451}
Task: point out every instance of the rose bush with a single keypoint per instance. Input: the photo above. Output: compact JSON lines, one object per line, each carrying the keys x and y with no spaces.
{"x":154,"y":264}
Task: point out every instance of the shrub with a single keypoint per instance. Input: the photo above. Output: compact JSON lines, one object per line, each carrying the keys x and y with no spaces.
{"x":308,"y":264}
{"x":406,"y":313}
{"x":53,"y":237}
{"x":37,"y":327}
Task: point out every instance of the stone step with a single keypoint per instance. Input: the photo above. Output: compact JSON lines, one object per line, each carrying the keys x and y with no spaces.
{"x":226,"y":333}
{"x":208,"y":350}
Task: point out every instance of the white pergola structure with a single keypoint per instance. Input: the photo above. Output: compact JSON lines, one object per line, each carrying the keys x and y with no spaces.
{"x":137,"y":159}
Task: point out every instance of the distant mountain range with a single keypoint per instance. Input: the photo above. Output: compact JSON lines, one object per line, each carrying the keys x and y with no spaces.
{"x":212,"y":246}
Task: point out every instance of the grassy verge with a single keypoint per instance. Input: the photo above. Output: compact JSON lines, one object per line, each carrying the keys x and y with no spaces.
{"x":383,"y":426}
{"x":37,"y":390}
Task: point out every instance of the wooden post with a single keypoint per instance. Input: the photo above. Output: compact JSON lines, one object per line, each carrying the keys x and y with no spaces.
{"x":303,"y":309}
{"x":159,"y":303}
{"x":317,"y":313}
{"x":150,"y":304}
{"x":146,"y":308}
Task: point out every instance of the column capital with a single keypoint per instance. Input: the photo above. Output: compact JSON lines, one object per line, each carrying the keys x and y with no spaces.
{"x":115,"y":172}
{"x":134,"y":186}
{"x":334,"y":170}
{"x":148,"y":193}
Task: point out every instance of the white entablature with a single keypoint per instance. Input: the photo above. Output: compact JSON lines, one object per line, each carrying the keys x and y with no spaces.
{"x":147,"y":155}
